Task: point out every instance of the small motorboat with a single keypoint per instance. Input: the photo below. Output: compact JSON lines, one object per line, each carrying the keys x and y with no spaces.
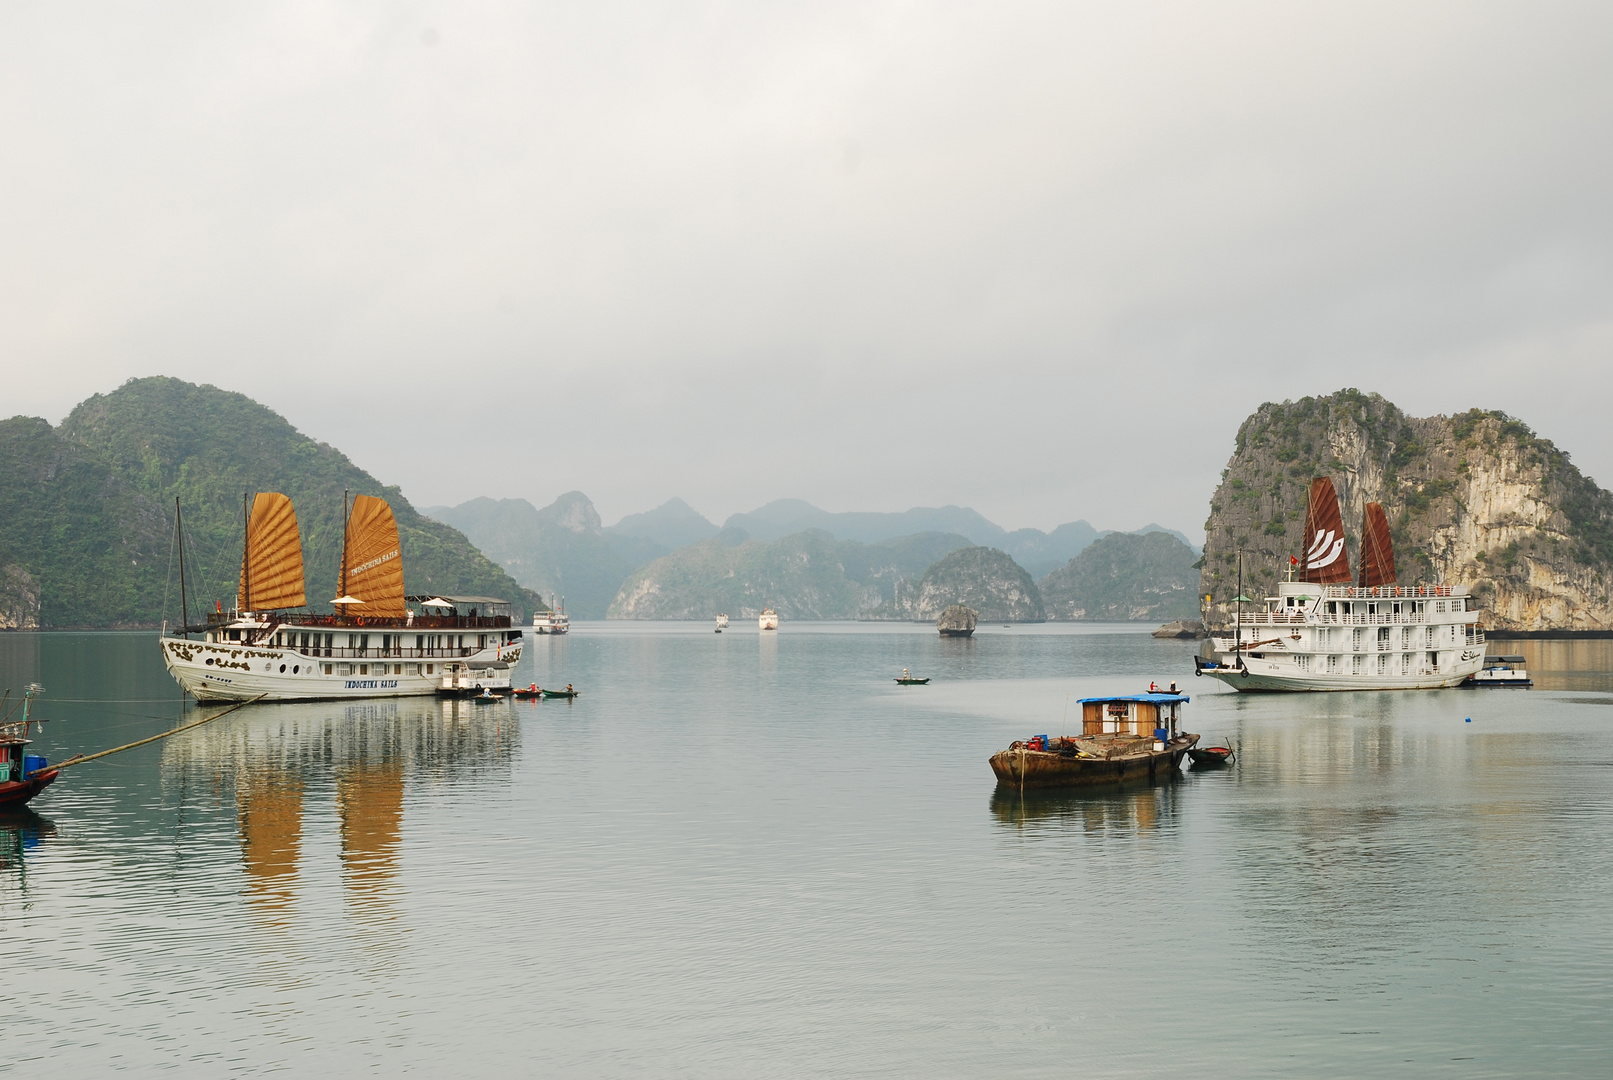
{"x":1211,"y":756}
{"x":22,"y":775}
{"x":1501,"y":671}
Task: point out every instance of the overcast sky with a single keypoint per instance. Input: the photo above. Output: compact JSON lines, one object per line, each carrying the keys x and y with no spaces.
{"x":1036,"y":258}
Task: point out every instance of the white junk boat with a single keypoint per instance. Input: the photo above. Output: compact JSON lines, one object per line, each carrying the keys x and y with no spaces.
{"x":376,"y":647}
{"x":768,"y":619}
{"x":550,"y":622}
{"x":722,"y":621}
{"x":1320,"y":632}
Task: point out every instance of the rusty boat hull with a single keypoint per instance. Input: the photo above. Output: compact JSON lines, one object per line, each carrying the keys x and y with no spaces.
{"x":1100,"y":761}
{"x":16,"y":793}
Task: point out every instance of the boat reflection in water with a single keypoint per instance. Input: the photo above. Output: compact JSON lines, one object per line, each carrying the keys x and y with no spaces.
{"x":296,"y":768}
{"x":21,"y":831}
{"x":1140,"y":805}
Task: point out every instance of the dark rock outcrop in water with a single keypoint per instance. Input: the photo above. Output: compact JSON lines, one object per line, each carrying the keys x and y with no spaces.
{"x":1183,"y":629}
{"x":1125,"y":577}
{"x":958,"y":620}
{"x":1475,"y":499}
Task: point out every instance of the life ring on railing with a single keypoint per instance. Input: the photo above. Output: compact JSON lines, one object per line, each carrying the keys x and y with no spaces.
{"x":1245,"y":673}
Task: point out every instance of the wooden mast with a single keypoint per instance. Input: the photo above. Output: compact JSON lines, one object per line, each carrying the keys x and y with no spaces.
{"x":179,"y":530}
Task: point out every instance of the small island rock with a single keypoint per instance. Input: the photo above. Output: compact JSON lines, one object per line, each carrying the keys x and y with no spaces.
{"x":957,"y":621}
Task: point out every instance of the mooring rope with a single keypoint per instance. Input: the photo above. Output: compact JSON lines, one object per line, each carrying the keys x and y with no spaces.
{"x":79,"y":759}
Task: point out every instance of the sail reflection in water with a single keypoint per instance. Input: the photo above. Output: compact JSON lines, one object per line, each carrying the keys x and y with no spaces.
{"x":294,"y":767}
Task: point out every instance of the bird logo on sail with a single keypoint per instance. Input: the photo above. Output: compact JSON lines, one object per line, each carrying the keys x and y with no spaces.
{"x":1325,"y":549}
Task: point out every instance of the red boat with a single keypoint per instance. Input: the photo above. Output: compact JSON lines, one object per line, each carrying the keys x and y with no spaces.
{"x":22,"y":775}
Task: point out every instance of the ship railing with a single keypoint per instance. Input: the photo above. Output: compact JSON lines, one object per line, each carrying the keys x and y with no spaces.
{"x":1261,"y":618}
{"x":1390,"y":592}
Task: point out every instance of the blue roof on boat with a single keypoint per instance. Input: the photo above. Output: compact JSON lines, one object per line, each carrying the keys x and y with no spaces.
{"x":1152,"y":699}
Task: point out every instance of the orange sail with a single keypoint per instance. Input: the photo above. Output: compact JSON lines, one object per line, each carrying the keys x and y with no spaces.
{"x":271,"y":565}
{"x":1326,"y":562}
{"x":1377,"y":551}
{"x":372,"y":561}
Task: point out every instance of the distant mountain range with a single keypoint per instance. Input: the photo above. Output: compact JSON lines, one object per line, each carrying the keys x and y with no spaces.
{"x":673,"y":563}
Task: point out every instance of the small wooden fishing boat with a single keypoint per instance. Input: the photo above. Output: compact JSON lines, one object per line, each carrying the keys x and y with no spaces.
{"x":22,"y":775}
{"x":532,"y":692}
{"x":487,"y":699}
{"x":1211,"y":756}
{"x":566,"y":693}
{"x":912,"y":682}
{"x":1129,"y":737}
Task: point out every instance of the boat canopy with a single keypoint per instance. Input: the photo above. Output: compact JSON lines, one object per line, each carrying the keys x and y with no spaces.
{"x":1152,"y":699}
{"x":271,"y":562}
{"x":491,"y":603}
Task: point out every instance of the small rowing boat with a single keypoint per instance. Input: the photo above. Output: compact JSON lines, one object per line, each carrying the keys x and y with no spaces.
{"x":568,"y":692}
{"x":909,"y":680}
{"x":1211,"y":756}
{"x":532,"y":692}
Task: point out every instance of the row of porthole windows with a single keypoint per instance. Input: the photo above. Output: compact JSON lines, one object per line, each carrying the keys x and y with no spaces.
{"x":347,"y":669}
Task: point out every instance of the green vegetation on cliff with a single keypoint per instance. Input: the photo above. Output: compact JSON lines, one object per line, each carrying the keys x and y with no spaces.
{"x":1475,"y":499}
{"x":807,"y":575}
{"x":983,"y":578}
{"x":86,"y":509}
{"x":1126,"y":576}
{"x":559,"y":551}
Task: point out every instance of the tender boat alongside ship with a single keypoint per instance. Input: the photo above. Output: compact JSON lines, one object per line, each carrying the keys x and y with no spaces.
{"x":377,"y":646}
{"x":1320,"y":632}
{"x":1502,"y":671}
{"x":1128,"y":737}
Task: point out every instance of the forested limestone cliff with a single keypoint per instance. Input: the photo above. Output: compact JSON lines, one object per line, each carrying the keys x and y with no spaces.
{"x":1475,"y":499}
{"x":86,"y":509}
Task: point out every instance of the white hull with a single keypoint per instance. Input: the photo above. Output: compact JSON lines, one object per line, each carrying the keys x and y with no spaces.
{"x":242,"y":673}
{"x":1258,"y":677}
{"x":768,"y":620}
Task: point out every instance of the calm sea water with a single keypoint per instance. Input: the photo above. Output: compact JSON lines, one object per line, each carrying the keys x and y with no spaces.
{"x":741,"y":855}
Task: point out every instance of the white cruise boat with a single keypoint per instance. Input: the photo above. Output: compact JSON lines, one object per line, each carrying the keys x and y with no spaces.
{"x":378,"y":646}
{"x":768,"y":619}
{"x":554,"y":621}
{"x":1321,"y":632}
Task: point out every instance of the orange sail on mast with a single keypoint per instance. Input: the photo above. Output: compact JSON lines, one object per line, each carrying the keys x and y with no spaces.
{"x":372,"y":560}
{"x":1377,"y":550}
{"x":271,"y":564}
{"x":1326,"y":560}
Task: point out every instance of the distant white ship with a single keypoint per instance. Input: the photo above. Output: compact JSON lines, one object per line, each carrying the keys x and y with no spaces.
{"x":768,"y":619}
{"x":722,"y":621}
{"x":551,"y":622}
{"x":1322,"y":633}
